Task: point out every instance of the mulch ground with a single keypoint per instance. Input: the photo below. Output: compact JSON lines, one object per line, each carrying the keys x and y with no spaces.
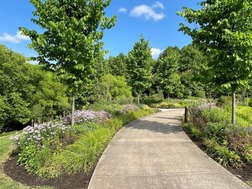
{"x":74,"y":181}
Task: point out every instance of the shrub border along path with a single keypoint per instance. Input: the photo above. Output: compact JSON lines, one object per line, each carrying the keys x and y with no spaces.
{"x":78,"y":180}
{"x":155,"y":152}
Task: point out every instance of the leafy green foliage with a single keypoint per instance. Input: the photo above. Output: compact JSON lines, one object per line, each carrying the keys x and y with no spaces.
{"x":79,"y":156}
{"x":228,"y":144}
{"x":139,"y":67}
{"x":118,"y":65}
{"x":224,"y":33}
{"x":70,"y":44}
{"x":192,"y":62}
{"x":27,"y":92}
{"x":114,"y":88}
{"x":171,"y":103}
{"x":224,"y":102}
{"x":166,"y":72}
{"x":216,"y":115}
{"x":221,"y":153}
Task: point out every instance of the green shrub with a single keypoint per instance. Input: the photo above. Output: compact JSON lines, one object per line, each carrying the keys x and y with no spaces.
{"x":221,"y":153}
{"x":224,"y":102}
{"x":193,"y":130}
{"x":114,"y":123}
{"x":241,"y":142}
{"x":244,"y":116}
{"x":216,"y":131}
{"x":248,"y":153}
{"x":155,"y":98}
{"x":250,"y":102}
{"x":201,"y":94}
{"x":196,"y":132}
{"x":228,"y":144}
{"x":79,"y":156}
{"x":172,"y":103}
{"x":216,"y":115}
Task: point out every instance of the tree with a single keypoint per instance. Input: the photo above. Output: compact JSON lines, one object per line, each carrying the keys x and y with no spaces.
{"x":166,"y":71}
{"x":224,"y":31}
{"x":139,"y":67}
{"x":48,"y":98}
{"x":27,"y":92}
{"x":115,"y":88}
{"x":70,"y":41}
{"x":118,"y":65}
{"x":192,"y":62}
{"x":14,"y":82}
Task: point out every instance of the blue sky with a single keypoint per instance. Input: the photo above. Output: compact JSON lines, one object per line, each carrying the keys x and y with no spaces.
{"x":155,"y":20}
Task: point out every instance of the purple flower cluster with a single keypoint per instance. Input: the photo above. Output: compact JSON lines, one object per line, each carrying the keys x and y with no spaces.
{"x":38,"y":132}
{"x":15,"y":138}
{"x":130,"y":107}
{"x":81,"y":116}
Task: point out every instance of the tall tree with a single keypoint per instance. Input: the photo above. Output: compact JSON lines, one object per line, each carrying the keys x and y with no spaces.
{"x":118,"y":65}
{"x":139,"y":67}
{"x":70,"y":41}
{"x":166,"y":72}
{"x":224,"y":31}
{"x":192,"y":62}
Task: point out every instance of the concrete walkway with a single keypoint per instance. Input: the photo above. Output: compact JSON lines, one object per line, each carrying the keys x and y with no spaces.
{"x":154,"y":152}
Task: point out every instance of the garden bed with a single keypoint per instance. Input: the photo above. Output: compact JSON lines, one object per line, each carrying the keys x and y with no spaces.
{"x":68,"y":164}
{"x":230,"y":145}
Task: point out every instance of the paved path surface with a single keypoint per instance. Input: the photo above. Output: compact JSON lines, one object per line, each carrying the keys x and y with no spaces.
{"x":154,"y":152}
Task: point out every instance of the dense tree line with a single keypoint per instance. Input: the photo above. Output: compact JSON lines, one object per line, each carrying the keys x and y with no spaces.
{"x":27,"y":92}
{"x":175,"y":74}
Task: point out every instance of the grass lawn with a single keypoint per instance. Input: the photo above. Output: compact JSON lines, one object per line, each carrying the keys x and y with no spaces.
{"x":5,"y":181}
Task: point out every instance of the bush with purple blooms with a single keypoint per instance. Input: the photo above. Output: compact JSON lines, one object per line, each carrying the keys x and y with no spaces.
{"x":50,"y":149}
{"x":130,"y":107}
{"x":81,"y":116}
{"x":38,"y":133}
{"x":37,"y":143}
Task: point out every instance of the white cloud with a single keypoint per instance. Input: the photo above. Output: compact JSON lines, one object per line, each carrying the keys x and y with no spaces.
{"x":155,"y":52}
{"x":158,"y":5}
{"x":14,"y":39}
{"x":148,"y":12}
{"x":122,"y":10}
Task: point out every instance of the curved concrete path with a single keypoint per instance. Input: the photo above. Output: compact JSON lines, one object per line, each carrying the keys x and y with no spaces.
{"x":154,"y":152}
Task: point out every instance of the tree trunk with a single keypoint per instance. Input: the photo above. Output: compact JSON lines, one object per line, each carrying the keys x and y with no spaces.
{"x":233,"y":108}
{"x":138,"y":99}
{"x":73,"y":105}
